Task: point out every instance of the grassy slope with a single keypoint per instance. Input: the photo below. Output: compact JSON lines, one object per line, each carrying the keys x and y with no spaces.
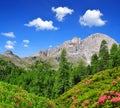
{"x":99,"y":90}
{"x":14,"y":97}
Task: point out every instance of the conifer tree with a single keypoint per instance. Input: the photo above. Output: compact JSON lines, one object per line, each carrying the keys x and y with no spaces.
{"x":113,"y":56}
{"x":94,"y":64}
{"x":103,"y":56}
{"x":118,"y":55}
{"x":62,"y":78}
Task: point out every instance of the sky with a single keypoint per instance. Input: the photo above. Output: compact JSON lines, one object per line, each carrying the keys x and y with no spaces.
{"x":27,"y":26}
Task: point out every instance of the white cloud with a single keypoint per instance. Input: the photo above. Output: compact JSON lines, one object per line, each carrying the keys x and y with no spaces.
{"x":61,"y":12}
{"x":25,"y":43}
{"x":8,"y":34}
{"x":10,"y":44}
{"x":92,"y":18}
{"x":39,"y":24}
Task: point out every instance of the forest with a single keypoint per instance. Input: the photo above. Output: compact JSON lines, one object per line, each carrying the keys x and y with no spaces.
{"x":41,"y":80}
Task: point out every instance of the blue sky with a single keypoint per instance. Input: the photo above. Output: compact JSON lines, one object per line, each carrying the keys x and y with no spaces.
{"x":28,"y":26}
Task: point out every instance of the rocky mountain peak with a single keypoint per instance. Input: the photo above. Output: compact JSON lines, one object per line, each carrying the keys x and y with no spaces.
{"x":79,"y":49}
{"x":8,"y":53}
{"x":99,"y":35}
{"x":75,"y":40}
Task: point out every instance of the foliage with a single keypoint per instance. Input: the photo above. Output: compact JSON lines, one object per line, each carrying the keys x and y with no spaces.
{"x":40,"y":78}
{"x":101,"y":90}
{"x":114,"y":56}
{"x":103,"y":56}
{"x":62,"y":77}
{"x":94,"y":63}
{"x":79,"y":73}
{"x":7,"y":68}
{"x":14,"y":97}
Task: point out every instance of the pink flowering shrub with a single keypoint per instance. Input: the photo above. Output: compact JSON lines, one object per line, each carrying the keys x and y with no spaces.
{"x":99,"y":91}
{"x":76,"y":102}
{"x":113,"y":97}
{"x":87,"y":102}
{"x":101,"y":100}
{"x":115,"y":100}
{"x":114,"y":82}
{"x":112,"y":92}
{"x":108,"y":97}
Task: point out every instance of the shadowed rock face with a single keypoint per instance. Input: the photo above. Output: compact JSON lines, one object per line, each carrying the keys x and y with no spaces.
{"x":8,"y":53}
{"x":78,"y":49}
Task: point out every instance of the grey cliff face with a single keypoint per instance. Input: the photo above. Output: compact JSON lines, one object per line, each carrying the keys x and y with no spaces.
{"x":78,"y":49}
{"x":8,"y":53}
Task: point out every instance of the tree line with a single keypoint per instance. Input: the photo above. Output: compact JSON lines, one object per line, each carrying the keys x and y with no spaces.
{"x":42,"y":80}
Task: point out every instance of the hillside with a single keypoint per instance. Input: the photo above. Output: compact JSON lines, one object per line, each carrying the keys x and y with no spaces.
{"x":92,"y":90}
{"x":101,"y":90}
{"x":14,"y":97}
{"x":10,"y":56}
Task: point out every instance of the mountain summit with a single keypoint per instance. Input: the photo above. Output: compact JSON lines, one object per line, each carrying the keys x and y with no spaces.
{"x":78,"y":49}
{"x":8,"y":53}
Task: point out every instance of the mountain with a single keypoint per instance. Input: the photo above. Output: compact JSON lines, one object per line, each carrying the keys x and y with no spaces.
{"x":10,"y":56}
{"x":77,"y":49}
{"x":101,"y":90}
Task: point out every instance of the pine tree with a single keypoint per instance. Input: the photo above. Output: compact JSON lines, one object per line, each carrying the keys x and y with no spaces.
{"x":94,"y":64}
{"x":78,"y":72}
{"x":118,"y":53}
{"x":103,"y":56}
{"x":62,"y":78}
{"x":113,"y":56}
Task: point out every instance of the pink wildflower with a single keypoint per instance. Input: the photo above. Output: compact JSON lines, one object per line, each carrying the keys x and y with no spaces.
{"x":75,"y":102}
{"x":102,"y":100}
{"x":106,"y":87}
{"x":112,"y":92}
{"x":114,"y":82}
{"x":87,"y":102}
{"x":115,"y":100}
{"x":82,"y":104}
{"x":117,"y":94}
{"x":108,"y":97}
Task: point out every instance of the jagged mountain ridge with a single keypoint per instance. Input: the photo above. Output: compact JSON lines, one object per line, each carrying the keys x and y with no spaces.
{"x":78,"y":49}
{"x":10,"y":56}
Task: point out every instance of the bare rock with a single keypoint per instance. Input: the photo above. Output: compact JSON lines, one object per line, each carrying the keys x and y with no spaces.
{"x":78,"y":49}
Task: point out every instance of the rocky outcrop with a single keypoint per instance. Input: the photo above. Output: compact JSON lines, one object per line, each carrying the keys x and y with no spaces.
{"x":9,"y":55}
{"x":78,"y":49}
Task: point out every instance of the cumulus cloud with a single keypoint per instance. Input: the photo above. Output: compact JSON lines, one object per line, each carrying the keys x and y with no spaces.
{"x":10,"y":44}
{"x":39,"y":24}
{"x":92,"y":18}
{"x":26,"y":43}
{"x":8,"y":34}
{"x":61,"y":12}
